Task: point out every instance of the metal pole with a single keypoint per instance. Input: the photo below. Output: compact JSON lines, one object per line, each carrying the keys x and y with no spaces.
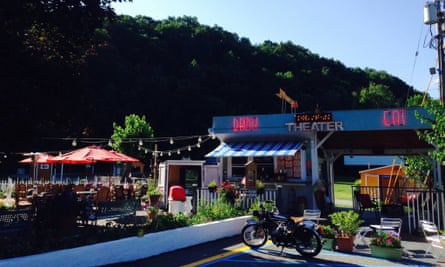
{"x":440,"y":49}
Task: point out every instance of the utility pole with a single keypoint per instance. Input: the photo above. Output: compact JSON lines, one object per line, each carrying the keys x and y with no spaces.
{"x":433,"y":14}
{"x":439,"y":27}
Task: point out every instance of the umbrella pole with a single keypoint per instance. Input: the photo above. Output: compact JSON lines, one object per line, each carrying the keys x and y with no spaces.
{"x":61,"y":172}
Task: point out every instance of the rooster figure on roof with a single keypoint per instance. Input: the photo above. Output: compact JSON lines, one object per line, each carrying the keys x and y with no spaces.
{"x":285,"y":98}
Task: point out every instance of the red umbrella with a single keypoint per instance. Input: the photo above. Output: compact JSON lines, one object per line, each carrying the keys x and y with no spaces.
{"x":91,"y":154}
{"x":124,"y":158}
{"x":39,"y":159}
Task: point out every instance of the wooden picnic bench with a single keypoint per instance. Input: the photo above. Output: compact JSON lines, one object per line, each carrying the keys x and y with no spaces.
{"x":114,"y":209}
{"x":17,"y":220}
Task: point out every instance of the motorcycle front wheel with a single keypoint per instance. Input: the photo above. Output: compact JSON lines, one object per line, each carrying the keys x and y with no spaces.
{"x":310,"y":244}
{"x":254,"y":235}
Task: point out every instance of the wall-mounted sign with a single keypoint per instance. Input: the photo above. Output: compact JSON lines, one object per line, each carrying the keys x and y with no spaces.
{"x":245,"y":124}
{"x":394,"y":117}
{"x":313,"y":117}
{"x":327,"y":126}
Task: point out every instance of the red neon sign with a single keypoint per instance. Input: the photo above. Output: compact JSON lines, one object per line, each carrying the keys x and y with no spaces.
{"x":244,"y":124}
{"x":395,"y":117}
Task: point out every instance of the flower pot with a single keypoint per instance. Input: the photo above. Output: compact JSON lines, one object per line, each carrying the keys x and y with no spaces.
{"x":328,"y":243}
{"x":154,"y":199}
{"x":345,"y":244}
{"x":386,"y":252}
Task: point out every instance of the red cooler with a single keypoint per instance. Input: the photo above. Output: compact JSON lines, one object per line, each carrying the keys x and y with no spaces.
{"x":177,"y":193}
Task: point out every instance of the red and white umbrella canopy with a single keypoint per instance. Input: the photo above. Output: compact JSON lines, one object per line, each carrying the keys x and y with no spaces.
{"x":123,"y":157}
{"x":43,"y":158}
{"x":92,"y":154}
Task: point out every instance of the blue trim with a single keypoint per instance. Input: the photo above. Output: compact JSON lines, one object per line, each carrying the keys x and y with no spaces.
{"x":257,"y":149}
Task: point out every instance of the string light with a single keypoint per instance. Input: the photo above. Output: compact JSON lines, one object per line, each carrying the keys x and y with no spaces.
{"x":146,"y":144}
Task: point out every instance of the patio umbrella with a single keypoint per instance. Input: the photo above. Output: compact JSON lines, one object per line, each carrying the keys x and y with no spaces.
{"x":35,"y":159}
{"x":91,"y":155}
{"x":39,"y":159}
{"x":123,"y":157}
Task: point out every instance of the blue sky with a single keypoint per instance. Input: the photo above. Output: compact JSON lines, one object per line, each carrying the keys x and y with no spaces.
{"x":378,"y":34}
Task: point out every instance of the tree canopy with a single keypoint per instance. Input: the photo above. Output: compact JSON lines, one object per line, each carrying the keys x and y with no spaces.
{"x":72,"y":68}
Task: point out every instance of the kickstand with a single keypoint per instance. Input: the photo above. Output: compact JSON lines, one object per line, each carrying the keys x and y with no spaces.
{"x":281,"y":253}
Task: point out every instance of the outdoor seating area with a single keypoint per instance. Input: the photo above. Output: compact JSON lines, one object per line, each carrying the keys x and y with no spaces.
{"x":65,"y":205}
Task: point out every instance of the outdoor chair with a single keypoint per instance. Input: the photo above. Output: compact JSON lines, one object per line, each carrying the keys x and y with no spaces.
{"x":363,"y":235}
{"x":433,"y":236}
{"x":366,"y":203}
{"x":313,"y":215}
{"x":388,"y":225}
{"x":104,"y":194}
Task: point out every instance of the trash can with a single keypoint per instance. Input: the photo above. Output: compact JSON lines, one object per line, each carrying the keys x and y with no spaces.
{"x":176,"y":200}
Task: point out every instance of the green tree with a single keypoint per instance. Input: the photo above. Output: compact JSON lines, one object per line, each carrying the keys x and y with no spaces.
{"x":417,"y":167}
{"x":435,"y":135}
{"x":377,"y":95}
{"x":126,"y":139}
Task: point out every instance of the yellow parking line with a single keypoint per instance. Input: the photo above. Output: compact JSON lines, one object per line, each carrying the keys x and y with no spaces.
{"x":219,"y":256}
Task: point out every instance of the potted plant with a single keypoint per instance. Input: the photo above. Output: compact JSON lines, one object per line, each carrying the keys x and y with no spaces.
{"x":328,"y":233}
{"x":153,"y":193}
{"x":259,"y":187}
{"x":386,"y":245}
{"x":347,"y":224}
{"x":212,"y":186}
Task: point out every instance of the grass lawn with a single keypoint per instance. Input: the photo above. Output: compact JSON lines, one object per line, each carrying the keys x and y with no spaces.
{"x":343,"y":190}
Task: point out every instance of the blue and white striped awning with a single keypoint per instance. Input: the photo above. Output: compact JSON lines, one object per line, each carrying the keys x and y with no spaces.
{"x":255,"y":149}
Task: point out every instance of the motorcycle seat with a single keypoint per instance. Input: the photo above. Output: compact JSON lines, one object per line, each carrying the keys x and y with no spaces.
{"x":297,"y":220}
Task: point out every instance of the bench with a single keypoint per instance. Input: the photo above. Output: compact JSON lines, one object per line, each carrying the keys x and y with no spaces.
{"x":13,"y":221}
{"x":114,"y":209}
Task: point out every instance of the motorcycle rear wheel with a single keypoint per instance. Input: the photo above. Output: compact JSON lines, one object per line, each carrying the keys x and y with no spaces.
{"x":310,"y":245}
{"x":254,"y":235}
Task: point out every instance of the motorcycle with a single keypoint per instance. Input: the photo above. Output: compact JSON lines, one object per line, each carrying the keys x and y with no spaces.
{"x":287,"y":232}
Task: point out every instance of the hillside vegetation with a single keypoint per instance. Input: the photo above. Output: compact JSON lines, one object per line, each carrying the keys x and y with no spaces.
{"x":178,"y":73}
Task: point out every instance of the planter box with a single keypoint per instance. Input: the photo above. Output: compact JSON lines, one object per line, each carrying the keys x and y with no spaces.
{"x":345,"y":244}
{"x":386,"y":253}
{"x":134,"y":248}
{"x":329,"y":243}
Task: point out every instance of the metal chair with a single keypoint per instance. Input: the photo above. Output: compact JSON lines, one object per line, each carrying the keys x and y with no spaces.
{"x":313,"y":215}
{"x":388,"y":224}
{"x":363,"y":235}
{"x":433,"y":236}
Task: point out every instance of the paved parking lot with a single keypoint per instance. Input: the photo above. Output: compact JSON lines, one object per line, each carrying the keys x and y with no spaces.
{"x":231,"y":252}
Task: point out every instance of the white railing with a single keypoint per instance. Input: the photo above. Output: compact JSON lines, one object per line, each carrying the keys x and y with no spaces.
{"x":245,"y":200}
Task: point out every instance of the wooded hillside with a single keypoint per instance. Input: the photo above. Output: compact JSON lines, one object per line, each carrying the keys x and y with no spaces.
{"x":176,"y":72}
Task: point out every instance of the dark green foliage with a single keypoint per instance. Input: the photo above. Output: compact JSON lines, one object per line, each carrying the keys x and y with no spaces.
{"x":176,"y":72}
